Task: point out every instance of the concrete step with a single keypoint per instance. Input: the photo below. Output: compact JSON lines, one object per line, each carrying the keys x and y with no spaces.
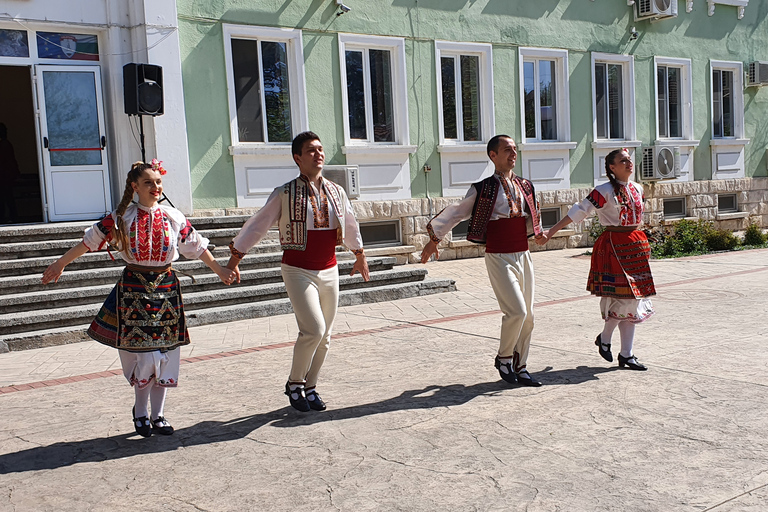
{"x":59,"y":335}
{"x":93,"y":286}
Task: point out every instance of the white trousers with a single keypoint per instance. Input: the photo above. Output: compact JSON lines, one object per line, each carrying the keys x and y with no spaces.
{"x":511,"y":276}
{"x":314,"y":296}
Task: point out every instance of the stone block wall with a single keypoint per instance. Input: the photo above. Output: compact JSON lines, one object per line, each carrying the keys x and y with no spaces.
{"x":700,"y":200}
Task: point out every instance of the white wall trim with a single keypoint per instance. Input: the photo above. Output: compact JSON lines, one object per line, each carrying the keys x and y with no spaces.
{"x":737,"y":68}
{"x":562,"y":84}
{"x":686,"y":99}
{"x":627,"y":63}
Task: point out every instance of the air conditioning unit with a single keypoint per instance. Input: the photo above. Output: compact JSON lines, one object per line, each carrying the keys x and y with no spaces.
{"x":660,"y":163}
{"x":346,"y":176}
{"x":757,"y":73}
{"x":655,"y":9}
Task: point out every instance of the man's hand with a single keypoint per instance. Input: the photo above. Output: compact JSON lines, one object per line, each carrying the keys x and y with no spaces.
{"x":361,"y":265}
{"x":542,"y":238}
{"x":428,"y":251}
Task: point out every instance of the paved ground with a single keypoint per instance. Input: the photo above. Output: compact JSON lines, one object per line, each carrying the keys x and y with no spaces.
{"x":417,"y":417}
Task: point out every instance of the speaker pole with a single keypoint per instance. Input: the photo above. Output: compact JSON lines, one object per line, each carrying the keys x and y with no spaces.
{"x":141,"y":138}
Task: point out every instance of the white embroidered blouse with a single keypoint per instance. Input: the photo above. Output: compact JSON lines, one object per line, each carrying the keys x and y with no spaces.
{"x":504,"y":207}
{"x":611,"y":210}
{"x":156,"y":235}
{"x":257,"y":226}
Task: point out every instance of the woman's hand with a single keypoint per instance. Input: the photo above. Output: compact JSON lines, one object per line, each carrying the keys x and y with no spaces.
{"x":228,"y":276}
{"x":53,"y":272}
{"x":428,"y":251}
{"x":542,"y":238}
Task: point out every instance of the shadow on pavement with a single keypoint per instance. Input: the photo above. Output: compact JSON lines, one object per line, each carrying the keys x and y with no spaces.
{"x":129,"y":445}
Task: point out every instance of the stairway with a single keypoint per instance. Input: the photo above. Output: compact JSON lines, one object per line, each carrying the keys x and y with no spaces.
{"x":34,"y":315}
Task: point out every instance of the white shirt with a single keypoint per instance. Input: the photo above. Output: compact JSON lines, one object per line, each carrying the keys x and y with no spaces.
{"x":609,"y":211}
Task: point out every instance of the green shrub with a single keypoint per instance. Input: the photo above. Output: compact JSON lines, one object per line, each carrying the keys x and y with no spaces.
{"x":721,"y":240}
{"x":686,"y":237}
{"x":754,"y":235}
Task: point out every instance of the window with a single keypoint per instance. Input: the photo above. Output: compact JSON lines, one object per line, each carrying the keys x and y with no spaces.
{"x":674,"y":208}
{"x":613,"y":105}
{"x":380,"y":233}
{"x":674,"y":116}
{"x":373,"y":82}
{"x":544,"y":89}
{"x":727,"y":100}
{"x":727,"y":203}
{"x":609,"y":101}
{"x":459,"y":232}
{"x":265,"y":79}
{"x":14,"y":43}
{"x":549,"y":217}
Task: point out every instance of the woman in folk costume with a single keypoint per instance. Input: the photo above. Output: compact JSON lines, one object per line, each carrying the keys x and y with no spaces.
{"x":313,"y":215}
{"x":143,"y":316}
{"x":619,"y":273}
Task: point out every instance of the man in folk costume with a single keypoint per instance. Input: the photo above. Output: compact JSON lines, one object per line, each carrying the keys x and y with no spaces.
{"x":499,"y":208}
{"x":313,"y":215}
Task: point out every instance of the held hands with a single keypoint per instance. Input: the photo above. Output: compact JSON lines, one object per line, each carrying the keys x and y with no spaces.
{"x":542,"y":238}
{"x":361,"y":265}
{"x":228,"y":276}
{"x":233,"y":265}
{"x":428,"y":251}
{"x":53,"y":272}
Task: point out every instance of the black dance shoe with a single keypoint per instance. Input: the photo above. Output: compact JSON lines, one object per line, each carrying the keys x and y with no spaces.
{"x":509,"y":376}
{"x":605,"y":354}
{"x":631,"y":362}
{"x":524,"y":379}
{"x":297,"y":398}
{"x":161,"y":426}
{"x":313,"y":399}
{"x":141,"y":424}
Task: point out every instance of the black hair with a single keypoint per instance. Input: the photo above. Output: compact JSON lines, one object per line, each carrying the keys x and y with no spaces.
{"x":3,"y":131}
{"x":493,"y":144}
{"x":298,"y":142}
{"x":609,"y":160}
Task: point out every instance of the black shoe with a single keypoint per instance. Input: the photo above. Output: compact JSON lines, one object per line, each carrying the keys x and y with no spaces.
{"x":631,"y":362}
{"x":297,"y":398}
{"x":313,"y":399}
{"x":606,"y":354}
{"x":141,"y":424}
{"x":509,"y":376}
{"x":161,"y":426}
{"x":524,"y":379}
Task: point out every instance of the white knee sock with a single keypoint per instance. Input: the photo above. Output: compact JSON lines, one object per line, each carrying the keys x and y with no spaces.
{"x":610,"y":325}
{"x":142,"y":401}
{"x":627,"y":331}
{"x":157,"y":397}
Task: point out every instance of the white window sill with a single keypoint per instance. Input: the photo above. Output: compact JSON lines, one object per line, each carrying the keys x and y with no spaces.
{"x":675,"y":220}
{"x":616,"y":144}
{"x":378,"y":148}
{"x":732,"y":215}
{"x":261,"y":149}
{"x":677,"y":142}
{"x":461,"y":148}
{"x":547,"y":146}
{"x":729,"y":142}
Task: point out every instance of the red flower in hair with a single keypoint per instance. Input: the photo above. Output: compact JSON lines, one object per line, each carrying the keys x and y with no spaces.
{"x":157,"y":165}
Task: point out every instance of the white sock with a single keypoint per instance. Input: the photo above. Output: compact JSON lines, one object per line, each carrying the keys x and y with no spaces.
{"x":296,"y":390}
{"x":610,"y":326}
{"x":523,"y":374}
{"x":142,"y":401}
{"x":505,"y":361}
{"x":157,"y":398}
{"x":627,"y":331}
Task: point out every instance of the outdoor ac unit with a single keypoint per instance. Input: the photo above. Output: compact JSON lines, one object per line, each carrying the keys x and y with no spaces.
{"x":655,"y":9}
{"x":660,"y":163}
{"x":346,"y":176}
{"x":757,"y":73}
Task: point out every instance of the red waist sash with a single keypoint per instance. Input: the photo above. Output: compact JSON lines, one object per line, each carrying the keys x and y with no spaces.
{"x":507,"y":235}
{"x":320,"y":253}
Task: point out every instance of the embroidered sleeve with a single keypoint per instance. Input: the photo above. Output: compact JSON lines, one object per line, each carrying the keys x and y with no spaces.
{"x":442,"y":223}
{"x":352,"y":237}
{"x":234,"y":252}
{"x":96,"y":236}
{"x":191,"y":243}
{"x":257,"y":226}
{"x":583,"y":209}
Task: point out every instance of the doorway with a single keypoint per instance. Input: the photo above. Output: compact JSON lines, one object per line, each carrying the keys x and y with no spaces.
{"x":20,"y":191}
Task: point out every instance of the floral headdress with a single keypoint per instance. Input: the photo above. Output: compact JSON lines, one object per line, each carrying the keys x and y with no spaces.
{"x":157,"y":165}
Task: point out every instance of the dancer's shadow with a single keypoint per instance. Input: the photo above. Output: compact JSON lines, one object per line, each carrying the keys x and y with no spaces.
{"x":66,"y":454}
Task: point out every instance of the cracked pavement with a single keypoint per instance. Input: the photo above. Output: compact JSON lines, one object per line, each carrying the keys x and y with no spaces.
{"x":418,"y":419}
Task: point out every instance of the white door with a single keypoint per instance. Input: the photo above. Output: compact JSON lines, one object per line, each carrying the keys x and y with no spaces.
{"x":74,"y":141}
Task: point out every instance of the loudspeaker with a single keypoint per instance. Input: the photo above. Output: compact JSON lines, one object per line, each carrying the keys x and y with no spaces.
{"x":143,"y":89}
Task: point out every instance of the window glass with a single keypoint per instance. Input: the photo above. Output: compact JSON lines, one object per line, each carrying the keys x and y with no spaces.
{"x":661,"y":84}
{"x":529,"y":81}
{"x":356,"y":94}
{"x":470,"y":96}
{"x":277,"y":98}
{"x":54,"y":45}
{"x":674,"y":101}
{"x":245,"y":67}
{"x":674,"y":208}
{"x":547,"y":100}
{"x":14,"y":43}
{"x":601,"y":110}
{"x":615,"y":101}
{"x":448,"y":75}
{"x":727,"y":104}
{"x":381,"y":96}
{"x":727,"y":203}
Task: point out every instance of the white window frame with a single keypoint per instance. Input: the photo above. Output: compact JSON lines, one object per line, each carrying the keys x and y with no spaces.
{"x":563,"y":95}
{"x":737,"y":68}
{"x":296,"y":87}
{"x":686,"y":100}
{"x":396,"y":47}
{"x":485,"y":89}
{"x":627,"y":63}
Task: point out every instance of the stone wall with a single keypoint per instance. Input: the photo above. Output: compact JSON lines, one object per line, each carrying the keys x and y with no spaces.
{"x":700,"y":199}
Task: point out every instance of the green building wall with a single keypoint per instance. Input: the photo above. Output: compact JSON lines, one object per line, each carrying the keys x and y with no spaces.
{"x":580,"y":26}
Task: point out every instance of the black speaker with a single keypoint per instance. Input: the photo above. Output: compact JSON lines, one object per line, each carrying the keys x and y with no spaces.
{"x":143,"y":89}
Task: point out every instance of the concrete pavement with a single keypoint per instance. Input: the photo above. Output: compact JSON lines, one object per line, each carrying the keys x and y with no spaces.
{"x":417,"y":417}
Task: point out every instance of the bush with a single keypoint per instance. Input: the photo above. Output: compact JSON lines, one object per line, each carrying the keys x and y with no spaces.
{"x":754,"y":235}
{"x":687,"y":237}
{"x":721,"y":240}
